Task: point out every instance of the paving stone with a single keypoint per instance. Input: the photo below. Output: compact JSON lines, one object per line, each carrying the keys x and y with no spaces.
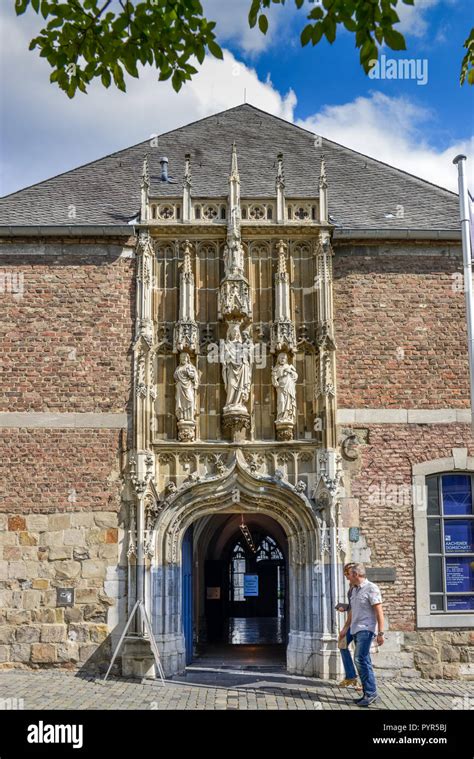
{"x":46,"y":689}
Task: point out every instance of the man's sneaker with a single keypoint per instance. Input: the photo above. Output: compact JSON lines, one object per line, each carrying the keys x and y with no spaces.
{"x":358,"y":700}
{"x":348,"y":681}
{"x":367,"y":700}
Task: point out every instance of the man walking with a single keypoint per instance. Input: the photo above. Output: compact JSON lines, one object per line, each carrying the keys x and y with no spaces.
{"x":364,"y":618}
{"x":349,"y":669}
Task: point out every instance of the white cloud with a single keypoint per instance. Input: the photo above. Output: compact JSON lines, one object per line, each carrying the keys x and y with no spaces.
{"x":391,"y":130}
{"x":47,"y":133}
{"x":413,"y":17}
{"x":232,"y":26}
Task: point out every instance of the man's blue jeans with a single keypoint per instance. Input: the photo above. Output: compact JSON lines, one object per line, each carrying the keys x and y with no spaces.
{"x":363,"y":662}
{"x":346,"y":655}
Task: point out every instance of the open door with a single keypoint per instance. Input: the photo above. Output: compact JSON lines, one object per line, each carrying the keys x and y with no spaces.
{"x":187,"y":594}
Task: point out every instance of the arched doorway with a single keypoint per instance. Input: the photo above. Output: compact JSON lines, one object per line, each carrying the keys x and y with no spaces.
{"x":311,"y":642}
{"x":240,"y":586}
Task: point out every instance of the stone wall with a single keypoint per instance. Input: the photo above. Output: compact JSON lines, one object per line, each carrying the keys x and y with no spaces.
{"x":41,"y":553}
{"x":431,"y":654}
{"x":66,"y":330}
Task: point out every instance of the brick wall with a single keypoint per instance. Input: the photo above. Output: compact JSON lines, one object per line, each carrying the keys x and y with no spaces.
{"x":65,"y":327}
{"x":60,"y":470}
{"x":383,"y":488}
{"x":400,"y":327}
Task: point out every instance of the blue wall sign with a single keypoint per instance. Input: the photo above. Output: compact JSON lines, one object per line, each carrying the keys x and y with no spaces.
{"x":250,"y":585}
{"x":459,"y":575}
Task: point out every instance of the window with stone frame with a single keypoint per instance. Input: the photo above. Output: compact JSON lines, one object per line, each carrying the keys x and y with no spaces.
{"x":450,"y":517}
{"x":237,"y":569}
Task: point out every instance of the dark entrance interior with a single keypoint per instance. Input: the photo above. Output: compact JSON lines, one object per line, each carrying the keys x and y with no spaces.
{"x":251,"y":576}
{"x":234,"y":583}
{"x":244,"y":591}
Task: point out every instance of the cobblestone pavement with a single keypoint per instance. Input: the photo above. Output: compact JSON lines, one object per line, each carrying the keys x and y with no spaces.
{"x":227,"y":690}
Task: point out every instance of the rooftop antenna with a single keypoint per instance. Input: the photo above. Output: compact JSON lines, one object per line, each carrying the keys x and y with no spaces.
{"x":245,"y":94}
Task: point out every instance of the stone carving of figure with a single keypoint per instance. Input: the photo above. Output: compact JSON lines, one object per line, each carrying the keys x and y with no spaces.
{"x":237,"y":367}
{"x":284,"y":378}
{"x":233,"y":257}
{"x":187,"y":382}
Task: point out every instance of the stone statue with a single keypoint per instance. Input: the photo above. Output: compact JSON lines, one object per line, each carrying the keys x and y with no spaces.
{"x":233,"y":257}
{"x":284,"y":378}
{"x":236,"y":369}
{"x":187,"y":382}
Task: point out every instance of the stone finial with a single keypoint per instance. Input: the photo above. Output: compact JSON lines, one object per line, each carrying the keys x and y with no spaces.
{"x":280,"y":191}
{"x":323,"y":193}
{"x":187,"y":258}
{"x":322,"y":176}
{"x":187,"y":204}
{"x":282,"y":248}
{"x":280,"y":172}
{"x":234,"y":169}
{"x":145,"y":173}
{"x":187,"y":167}
{"x":145,"y":186}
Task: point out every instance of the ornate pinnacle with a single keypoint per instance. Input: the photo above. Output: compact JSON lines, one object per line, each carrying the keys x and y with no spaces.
{"x":281,"y":257}
{"x":234,"y":169}
{"x":280,"y":173}
{"x":187,"y":258}
{"x":322,"y":177}
{"x":145,"y":173}
{"x":187,"y":168}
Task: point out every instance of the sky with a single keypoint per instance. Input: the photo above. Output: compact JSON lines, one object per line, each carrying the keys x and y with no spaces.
{"x":417,"y":123}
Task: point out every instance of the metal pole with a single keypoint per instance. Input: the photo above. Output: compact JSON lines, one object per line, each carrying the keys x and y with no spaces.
{"x":459,"y":161}
{"x":140,"y":558}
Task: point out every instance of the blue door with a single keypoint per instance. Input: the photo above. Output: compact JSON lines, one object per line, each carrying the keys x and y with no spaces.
{"x":187,"y":596}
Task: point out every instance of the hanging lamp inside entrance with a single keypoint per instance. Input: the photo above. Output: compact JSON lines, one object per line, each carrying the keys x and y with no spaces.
{"x":248,"y":537}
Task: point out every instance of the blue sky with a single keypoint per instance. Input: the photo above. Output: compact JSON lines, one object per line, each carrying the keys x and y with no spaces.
{"x":416,"y":127}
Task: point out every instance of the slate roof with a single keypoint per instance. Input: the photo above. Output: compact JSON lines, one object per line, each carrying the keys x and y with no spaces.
{"x":361,"y":190}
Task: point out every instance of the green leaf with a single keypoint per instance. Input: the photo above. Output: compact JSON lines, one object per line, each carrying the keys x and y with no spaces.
{"x":263,"y":24}
{"x":394,"y":39}
{"x":21,"y":6}
{"x":317,"y":33}
{"x":165,"y":74}
{"x":54,"y":23}
{"x":350,"y":25}
{"x":330,"y":28}
{"x":306,"y":34}
{"x":35,"y":5}
{"x":253,"y":13}
{"x":176,"y":81}
{"x":215,"y":49}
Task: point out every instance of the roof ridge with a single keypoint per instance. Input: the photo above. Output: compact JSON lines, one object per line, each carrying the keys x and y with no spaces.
{"x":216,"y":115}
